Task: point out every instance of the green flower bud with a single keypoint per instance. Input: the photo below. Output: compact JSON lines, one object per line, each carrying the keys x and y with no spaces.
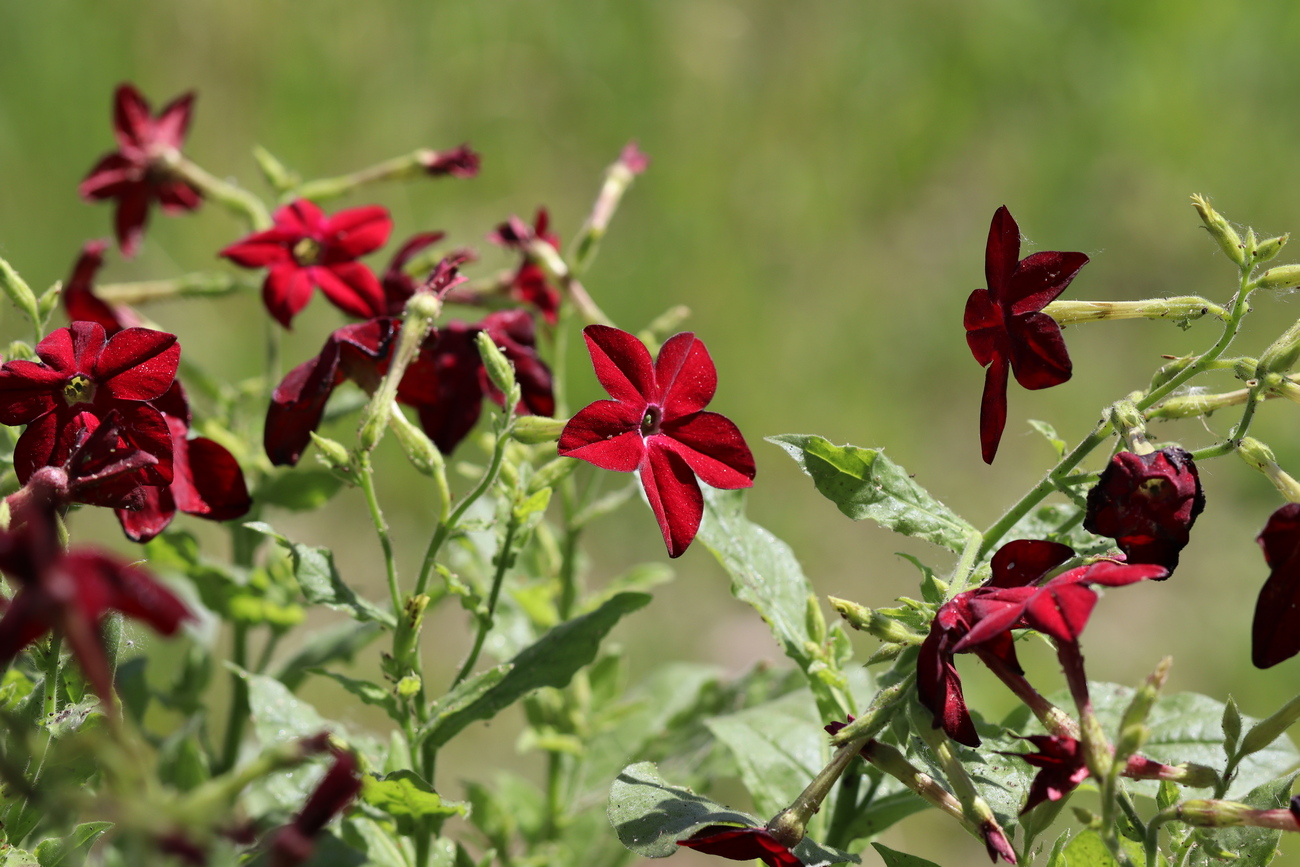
{"x":1267,"y":249}
{"x":1145,"y":698}
{"x":416,"y":445}
{"x":1231,"y":726}
{"x":1212,"y":814}
{"x":499,"y":368}
{"x":1228,"y":239}
{"x":885,"y":628}
{"x":19,"y":292}
{"x":47,"y":302}
{"x":1132,"y":426}
{"x":334,"y":456}
{"x":1196,"y":776}
{"x":1261,"y":457}
{"x":275,"y":172}
{"x":408,"y":685}
{"x":814,"y":620}
{"x":1281,"y":277}
{"x":1282,"y":354}
{"x":534,"y":429}
{"x":1268,"y":730}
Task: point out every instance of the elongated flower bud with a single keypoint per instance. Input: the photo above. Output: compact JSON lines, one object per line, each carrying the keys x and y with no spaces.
{"x":1223,"y":233}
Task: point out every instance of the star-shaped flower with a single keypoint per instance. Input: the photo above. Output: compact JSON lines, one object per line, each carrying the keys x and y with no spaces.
{"x":306,"y":250}
{"x":139,"y":171}
{"x":1275,"y":634}
{"x":1006,"y":328}
{"x":530,"y":283}
{"x":656,"y":425}
{"x":1147,"y":504}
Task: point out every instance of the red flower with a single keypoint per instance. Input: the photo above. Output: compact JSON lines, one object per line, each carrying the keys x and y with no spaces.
{"x":72,"y":593}
{"x":1064,"y":768}
{"x":79,"y":298}
{"x":1005,"y":325}
{"x":1275,"y":634}
{"x":293,"y":843}
{"x":1147,"y":504}
{"x":446,"y":383}
{"x":307,"y":249}
{"x":742,"y":844}
{"x":529,"y":283}
{"x":459,"y":162}
{"x":140,"y":169}
{"x":206,"y":482}
{"x":938,"y":686}
{"x":656,"y":425}
{"x":633,"y":159}
{"x":399,"y":285}
{"x":79,"y":380}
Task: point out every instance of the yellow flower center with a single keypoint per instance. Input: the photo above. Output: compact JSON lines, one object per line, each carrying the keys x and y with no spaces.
{"x":78,"y":389}
{"x":306,"y":252}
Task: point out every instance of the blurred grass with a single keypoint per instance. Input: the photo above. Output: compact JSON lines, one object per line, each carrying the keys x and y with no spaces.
{"x":821,"y":183}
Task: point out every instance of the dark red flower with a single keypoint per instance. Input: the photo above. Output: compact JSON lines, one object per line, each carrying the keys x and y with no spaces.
{"x":742,"y":844}
{"x":1275,"y":634}
{"x":139,"y":171}
{"x":399,"y":285}
{"x":80,"y":378}
{"x":293,"y":844}
{"x":656,"y":425}
{"x":1147,"y":504}
{"x":459,"y":162}
{"x":72,"y":592}
{"x":1063,"y":768}
{"x":307,"y":249}
{"x":446,"y":383}
{"x":79,"y":298}
{"x":938,"y":686}
{"x":206,"y":482}
{"x":1006,"y":328}
{"x":1058,"y":608}
{"x":530,"y":283}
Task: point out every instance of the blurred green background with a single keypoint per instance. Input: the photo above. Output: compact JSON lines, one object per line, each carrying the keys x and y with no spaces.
{"x":822,"y":179}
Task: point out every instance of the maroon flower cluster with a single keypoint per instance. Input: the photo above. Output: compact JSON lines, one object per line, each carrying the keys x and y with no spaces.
{"x":1006,"y":328}
{"x":1147,"y":504}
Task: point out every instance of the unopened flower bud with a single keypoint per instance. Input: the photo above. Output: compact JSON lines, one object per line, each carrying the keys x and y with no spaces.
{"x":415,"y":443}
{"x":1261,"y":457}
{"x":47,"y":302}
{"x":19,"y":292}
{"x":1281,"y":277}
{"x":499,"y":369}
{"x":885,"y":628}
{"x":1231,"y":726}
{"x":1228,"y":239}
{"x":1268,"y":248}
{"x":279,"y":176}
{"x":334,"y":455}
{"x":1282,"y":354}
{"x":814,"y":620}
{"x":787,"y":827}
{"x":1205,"y":813}
{"x":1132,"y":426}
{"x":1268,"y":730}
{"x":1145,"y":697}
{"x":408,"y":686}
{"x":534,"y":429}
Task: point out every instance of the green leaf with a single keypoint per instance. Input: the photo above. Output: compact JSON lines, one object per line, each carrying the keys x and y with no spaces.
{"x":465,"y":694}
{"x":1255,"y":847}
{"x":70,"y":851}
{"x":338,"y":643}
{"x":900,"y":859}
{"x":650,"y":816}
{"x":278,"y":715}
{"x":1001,"y":780}
{"x":11,"y":856}
{"x":299,"y":490}
{"x":320,"y":581}
{"x":411,"y":801}
{"x":381,"y":848}
{"x":367,"y":691}
{"x":551,"y":661}
{"x":1088,"y":850}
{"x":1056,"y":858}
{"x":1049,"y":433}
{"x":864,"y":483}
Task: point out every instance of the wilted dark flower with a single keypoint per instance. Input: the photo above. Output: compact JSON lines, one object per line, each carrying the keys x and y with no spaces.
{"x":1147,"y":504}
{"x":742,"y":844}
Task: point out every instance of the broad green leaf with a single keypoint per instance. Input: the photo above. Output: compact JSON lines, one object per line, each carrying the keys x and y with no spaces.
{"x":320,"y":582}
{"x":278,"y":715}
{"x":1001,"y":780}
{"x":864,"y":483}
{"x":551,"y":661}
{"x":70,"y":851}
{"x":411,"y":801}
{"x":338,"y":643}
{"x":380,"y":847}
{"x":466,"y":693}
{"x":900,"y":859}
{"x":367,"y":691}
{"x":650,"y":816}
{"x":299,"y":490}
{"x":1255,"y":847}
{"x":1088,"y":850}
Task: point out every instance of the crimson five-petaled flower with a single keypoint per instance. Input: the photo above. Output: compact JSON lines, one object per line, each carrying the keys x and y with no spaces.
{"x":139,"y":171}
{"x":72,"y":593}
{"x":306,"y":249}
{"x":656,"y":425}
{"x":742,"y":844}
{"x":529,"y":283}
{"x":1147,"y":504}
{"x":79,"y":379}
{"x":1005,"y":325}
{"x":1275,"y":634}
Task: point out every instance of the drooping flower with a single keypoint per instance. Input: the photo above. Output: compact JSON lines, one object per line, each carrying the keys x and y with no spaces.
{"x":1275,"y":633}
{"x":140,"y":170}
{"x":446,"y":383}
{"x":80,"y":301}
{"x":656,"y":425}
{"x":207,"y":481}
{"x":293,"y":844}
{"x":741,"y":844}
{"x":306,"y":250}
{"x":938,"y":686}
{"x":79,"y":379}
{"x":1006,"y":328}
{"x":530,"y":283}
{"x":399,"y":285}
{"x":72,"y":593}
{"x":459,"y":162}
{"x":1147,"y":504}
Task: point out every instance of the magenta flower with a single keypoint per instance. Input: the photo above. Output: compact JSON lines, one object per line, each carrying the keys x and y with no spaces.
{"x":293,"y":844}
{"x":72,"y":592}
{"x":1275,"y":634}
{"x":307,"y":250}
{"x":459,"y":162}
{"x":1006,"y":328}
{"x":938,"y":686}
{"x":1147,"y":504}
{"x":742,"y":844}
{"x":140,"y":171}
{"x":656,"y":425}
{"x":530,"y":283}
{"x":79,"y":379}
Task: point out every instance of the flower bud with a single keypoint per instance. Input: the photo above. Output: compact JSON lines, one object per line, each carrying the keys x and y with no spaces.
{"x":1145,"y":697}
{"x":415,"y":443}
{"x":787,"y":827}
{"x":47,"y":302}
{"x":885,"y":628}
{"x":1282,"y":354}
{"x":1212,"y":814}
{"x":1261,"y":457}
{"x":279,"y":176}
{"x":1231,"y":726}
{"x":1268,"y":248}
{"x":1281,"y":277}
{"x":498,"y":367}
{"x":1268,"y":730}
{"x":19,"y":292}
{"x":335,"y":456}
{"x":1228,"y":239}
{"x":1132,"y":426}
{"x":534,"y":429}
{"x":408,"y":685}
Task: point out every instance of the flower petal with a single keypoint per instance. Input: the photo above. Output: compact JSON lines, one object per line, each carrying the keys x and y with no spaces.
{"x":138,"y":364}
{"x":713,"y":447}
{"x":130,"y":217}
{"x":262,"y":249}
{"x":157,"y":508}
{"x":622,"y":364}
{"x":173,"y":121}
{"x":1039,"y":279}
{"x":352,"y":287}
{"x":286,"y":290}
{"x":27,"y":391}
{"x":1024,"y":561}
{"x":1038,"y":354}
{"x":686,"y":376}
{"x":674,"y":496}
{"x":1001,"y":253}
{"x":216,"y":488}
{"x":993,"y":409}
{"x":132,"y":119}
{"x":353,"y":233}
{"x":605,"y":434}
{"x":1275,"y":633}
